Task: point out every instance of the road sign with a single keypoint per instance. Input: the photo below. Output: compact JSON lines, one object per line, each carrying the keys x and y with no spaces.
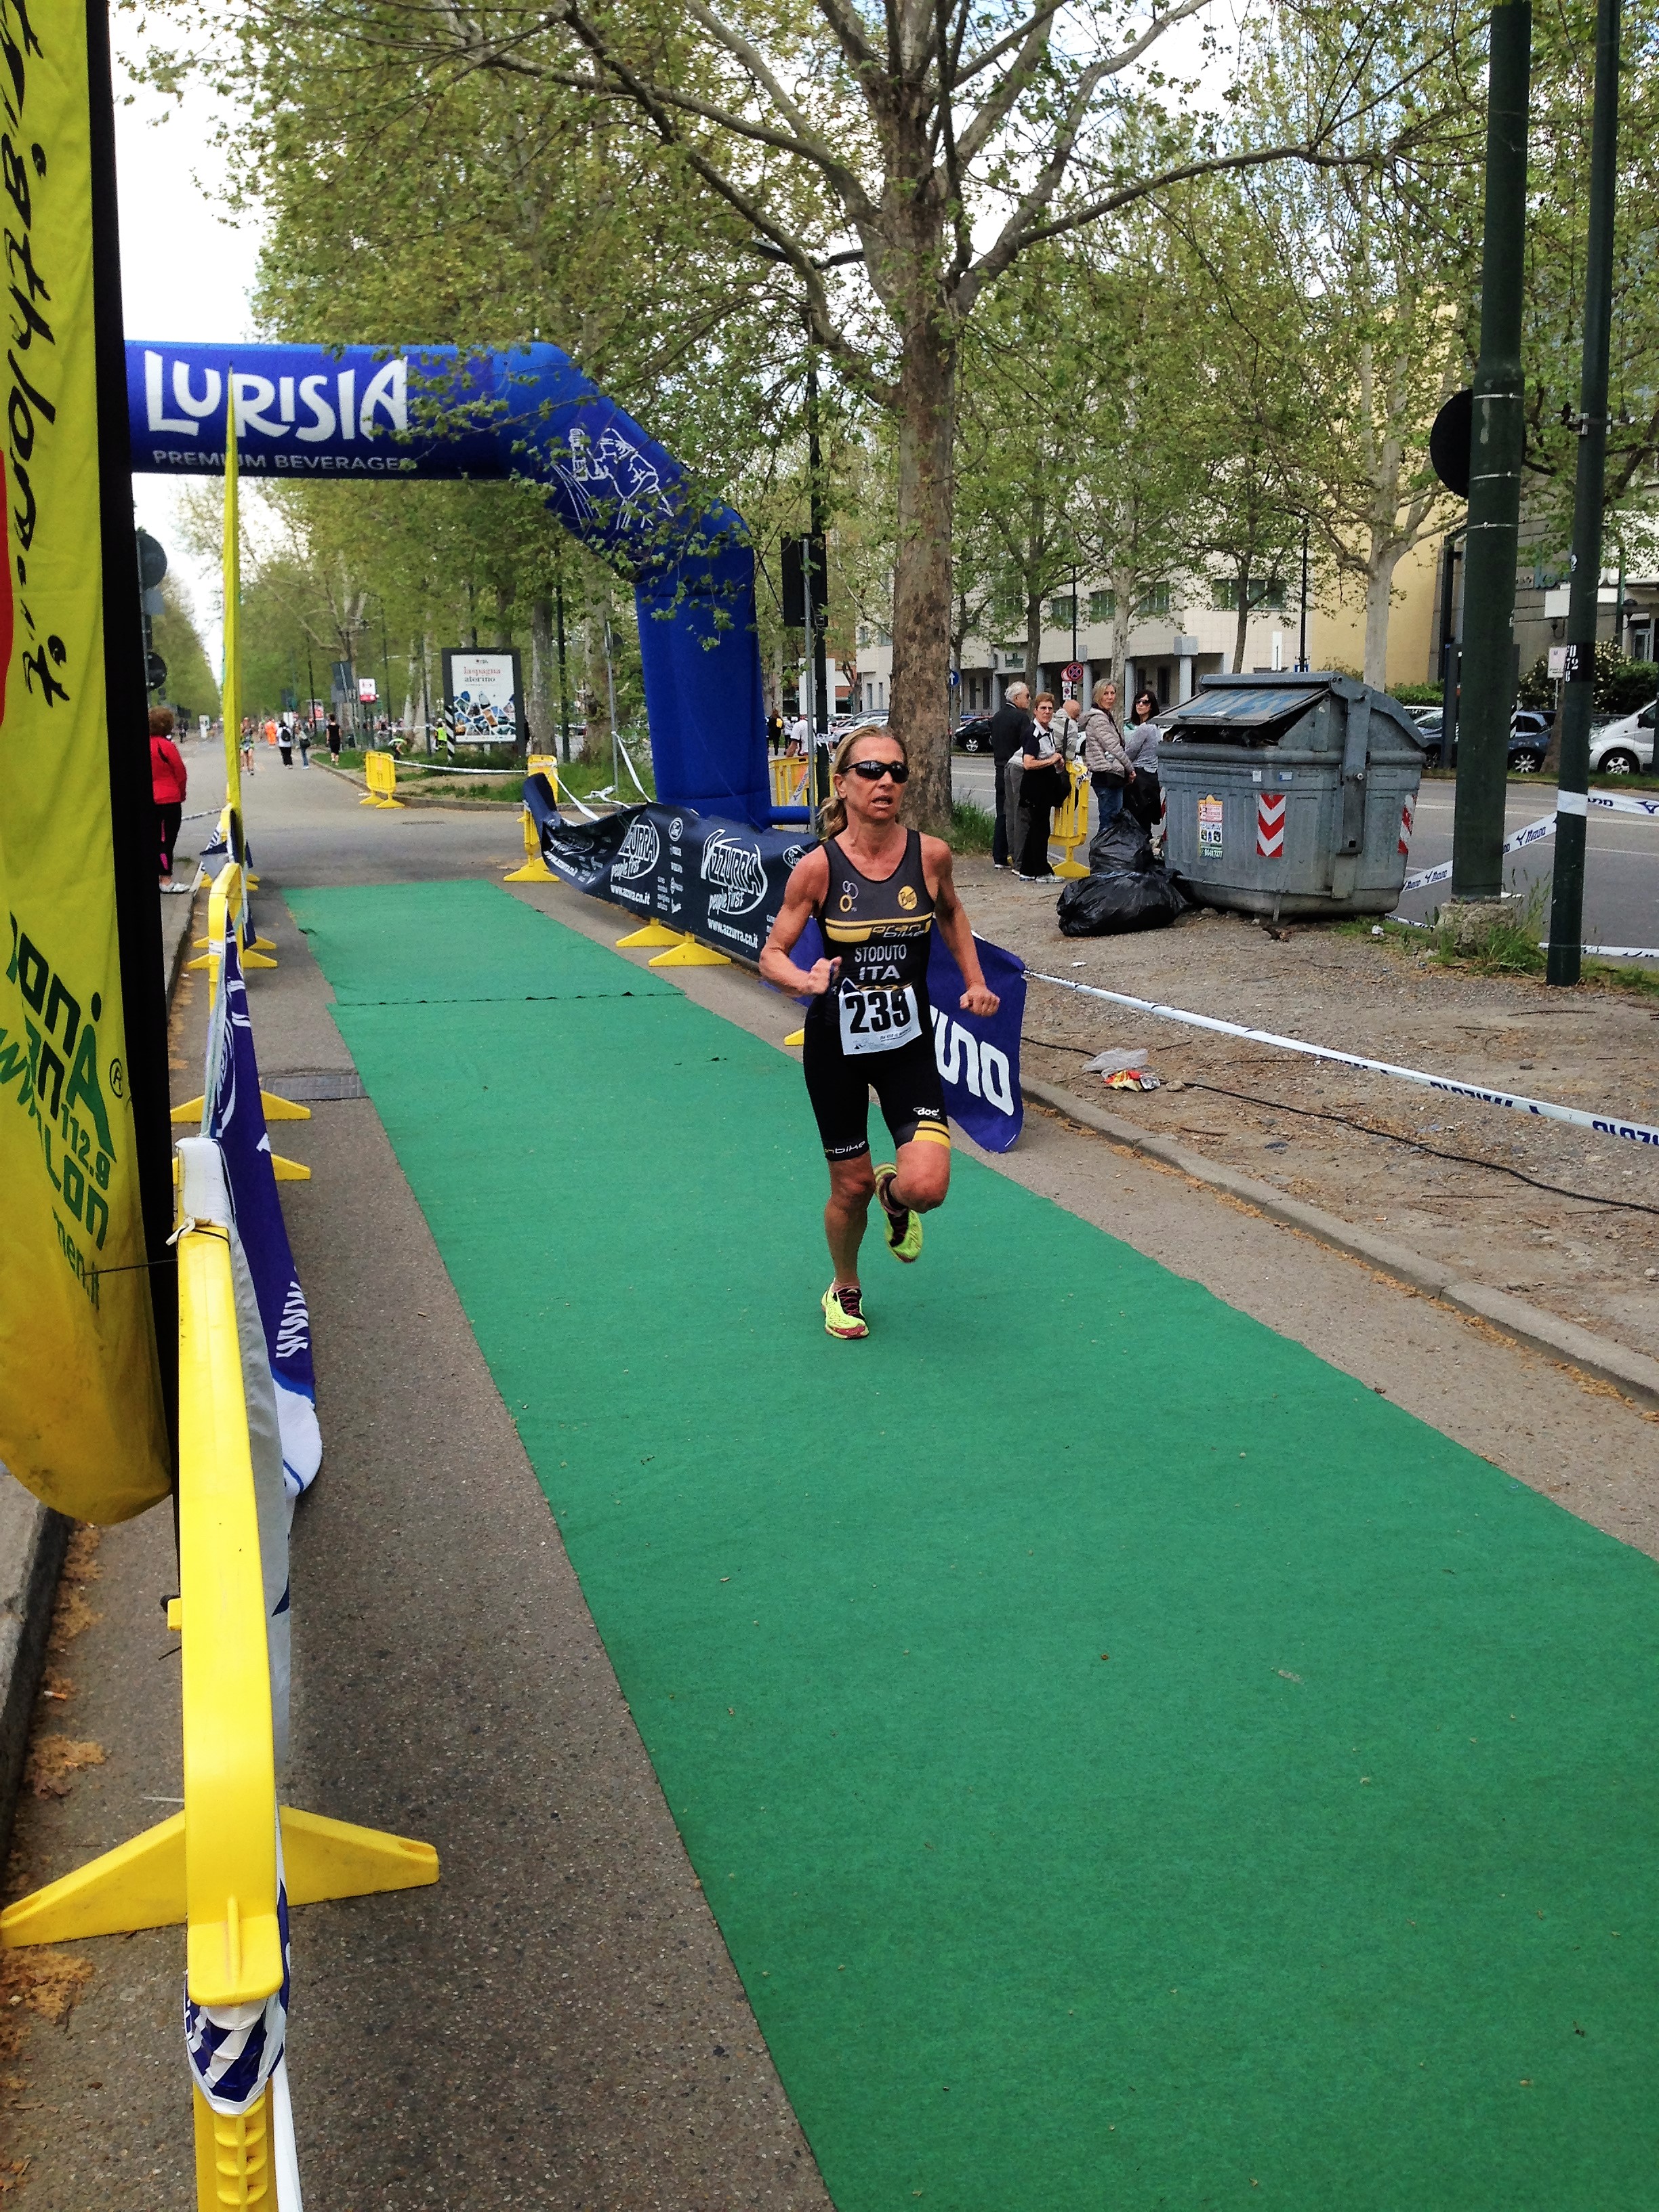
{"x":954,"y":678}
{"x":366,"y":691}
{"x":1449,"y":442}
{"x":155,"y":670}
{"x":1073,"y":672}
{"x":1558,"y":660}
{"x":152,"y":560}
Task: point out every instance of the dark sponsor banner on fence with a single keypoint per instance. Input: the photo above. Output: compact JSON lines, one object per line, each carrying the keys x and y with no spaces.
{"x":724,"y":882}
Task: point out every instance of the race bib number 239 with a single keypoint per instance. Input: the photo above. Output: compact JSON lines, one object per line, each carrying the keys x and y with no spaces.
{"x":879,"y":1020}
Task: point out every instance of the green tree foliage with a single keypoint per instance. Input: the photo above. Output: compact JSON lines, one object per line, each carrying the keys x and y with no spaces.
{"x":192,"y":686}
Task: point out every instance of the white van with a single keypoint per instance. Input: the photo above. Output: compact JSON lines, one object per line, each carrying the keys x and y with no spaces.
{"x":1624,"y":747}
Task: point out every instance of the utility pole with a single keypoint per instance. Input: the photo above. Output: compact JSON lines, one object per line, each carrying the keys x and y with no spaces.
{"x":817,"y":599}
{"x":1497,"y":449}
{"x":1567,"y":899}
{"x":1302,"y":633}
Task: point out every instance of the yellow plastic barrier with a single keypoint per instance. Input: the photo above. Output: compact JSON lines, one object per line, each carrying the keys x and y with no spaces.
{"x":381,"y":773}
{"x":788,"y":780}
{"x":535,"y":869}
{"x":1071,"y":822}
{"x":227,"y":896}
{"x":213,"y":1867}
{"x":228,"y":899}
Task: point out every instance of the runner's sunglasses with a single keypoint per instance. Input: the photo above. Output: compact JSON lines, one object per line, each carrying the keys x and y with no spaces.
{"x":873,"y":771}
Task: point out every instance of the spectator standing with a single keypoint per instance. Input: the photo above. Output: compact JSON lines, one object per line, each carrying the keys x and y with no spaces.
{"x":774,"y":731}
{"x":1042,"y":788}
{"x":1143,"y":797}
{"x":334,"y":739}
{"x":168,"y":781}
{"x":1011,"y":726}
{"x":1104,"y":755}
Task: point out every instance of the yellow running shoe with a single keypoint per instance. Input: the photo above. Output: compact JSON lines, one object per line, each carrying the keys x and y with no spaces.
{"x":903,"y":1227}
{"x":843,"y":1311}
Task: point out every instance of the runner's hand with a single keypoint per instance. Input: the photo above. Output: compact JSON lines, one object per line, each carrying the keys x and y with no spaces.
{"x":978,"y":999}
{"x":820,"y":976}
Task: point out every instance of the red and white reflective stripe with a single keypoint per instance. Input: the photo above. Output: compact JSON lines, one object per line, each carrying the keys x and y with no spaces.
{"x":1407,"y":817}
{"x":1163,"y":803}
{"x":1270,"y":825}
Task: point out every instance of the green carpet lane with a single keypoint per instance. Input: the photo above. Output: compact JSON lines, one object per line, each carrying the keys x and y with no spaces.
{"x":410,"y":943}
{"x":1333,"y":1878}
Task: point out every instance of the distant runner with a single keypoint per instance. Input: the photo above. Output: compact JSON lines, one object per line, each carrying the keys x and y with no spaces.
{"x":875,"y":890}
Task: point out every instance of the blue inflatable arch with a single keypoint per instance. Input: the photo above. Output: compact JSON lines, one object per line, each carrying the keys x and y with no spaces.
{"x":436,"y":412}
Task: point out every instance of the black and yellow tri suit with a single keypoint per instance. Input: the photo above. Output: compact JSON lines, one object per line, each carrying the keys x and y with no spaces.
{"x":876,"y":1027}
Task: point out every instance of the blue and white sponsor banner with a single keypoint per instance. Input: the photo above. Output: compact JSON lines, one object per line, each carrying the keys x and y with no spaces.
{"x":724,"y":882}
{"x":233,"y":1115}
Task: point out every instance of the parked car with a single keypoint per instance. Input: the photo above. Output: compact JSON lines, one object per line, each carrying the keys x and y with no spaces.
{"x":1530,"y":736}
{"x":974,"y":736}
{"x":1625,"y":747}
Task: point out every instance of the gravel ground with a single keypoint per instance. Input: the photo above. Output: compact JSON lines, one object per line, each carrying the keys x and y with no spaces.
{"x":1584,"y":1250}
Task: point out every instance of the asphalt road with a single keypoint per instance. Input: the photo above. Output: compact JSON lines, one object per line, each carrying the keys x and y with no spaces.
{"x":1621,"y":897}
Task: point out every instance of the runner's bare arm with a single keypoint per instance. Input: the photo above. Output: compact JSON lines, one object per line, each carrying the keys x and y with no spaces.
{"x":954,"y":925}
{"x":808,"y":884}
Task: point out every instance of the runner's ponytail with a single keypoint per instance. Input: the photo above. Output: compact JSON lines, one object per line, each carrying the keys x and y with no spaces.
{"x":832,"y":815}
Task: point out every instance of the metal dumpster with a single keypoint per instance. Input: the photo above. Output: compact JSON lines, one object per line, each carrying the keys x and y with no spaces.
{"x":1291,"y":793}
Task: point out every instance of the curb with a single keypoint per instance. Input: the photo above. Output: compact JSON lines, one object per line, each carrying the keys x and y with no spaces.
{"x":33,"y":1540}
{"x":407,"y":797}
{"x":1631,"y":1372}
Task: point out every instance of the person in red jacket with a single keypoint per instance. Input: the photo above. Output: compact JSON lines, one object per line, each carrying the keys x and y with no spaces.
{"x":168,"y":781}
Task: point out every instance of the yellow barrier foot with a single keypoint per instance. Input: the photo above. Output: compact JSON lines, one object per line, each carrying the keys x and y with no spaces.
{"x":289,"y":1170}
{"x":389,"y":802}
{"x":654,"y":933}
{"x":140,"y":1884}
{"x":255,"y":960}
{"x":275,"y":1108}
{"x":688,"y":953}
{"x":533,"y":872}
{"x":324,"y":1858}
{"x":373,"y":799}
{"x":1071,"y":870}
{"x":206,"y":960}
{"x":260,"y":944}
{"x":796,"y":1037}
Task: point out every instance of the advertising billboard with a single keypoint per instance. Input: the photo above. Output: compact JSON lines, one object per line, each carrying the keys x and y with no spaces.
{"x":483,"y":696}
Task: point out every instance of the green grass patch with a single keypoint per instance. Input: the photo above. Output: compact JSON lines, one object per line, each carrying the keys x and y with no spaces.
{"x":971,"y":828}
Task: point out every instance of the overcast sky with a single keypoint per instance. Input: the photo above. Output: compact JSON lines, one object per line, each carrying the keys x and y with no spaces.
{"x":185,"y":273}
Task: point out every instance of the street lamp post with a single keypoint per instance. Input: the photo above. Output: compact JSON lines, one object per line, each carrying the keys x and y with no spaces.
{"x":1302,"y":628}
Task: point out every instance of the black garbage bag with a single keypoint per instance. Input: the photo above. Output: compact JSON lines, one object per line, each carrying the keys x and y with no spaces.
{"x":1122,"y":844}
{"x":1117,"y":901}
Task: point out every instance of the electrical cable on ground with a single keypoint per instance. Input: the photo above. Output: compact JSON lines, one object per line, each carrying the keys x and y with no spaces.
{"x":1413,"y":1144}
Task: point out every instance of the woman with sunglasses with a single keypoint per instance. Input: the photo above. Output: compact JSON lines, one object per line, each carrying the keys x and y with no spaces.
{"x":875,"y":890}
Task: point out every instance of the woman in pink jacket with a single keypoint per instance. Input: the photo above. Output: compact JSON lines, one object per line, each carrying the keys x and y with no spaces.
{"x":168,"y":781}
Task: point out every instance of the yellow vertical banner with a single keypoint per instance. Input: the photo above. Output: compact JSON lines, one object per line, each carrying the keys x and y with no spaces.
{"x":230,"y":682}
{"x":81,"y":1408}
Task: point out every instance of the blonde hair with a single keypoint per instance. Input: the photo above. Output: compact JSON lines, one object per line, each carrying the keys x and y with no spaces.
{"x":832,"y":818}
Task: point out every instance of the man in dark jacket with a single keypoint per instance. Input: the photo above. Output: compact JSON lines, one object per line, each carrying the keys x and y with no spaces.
{"x":1011,"y":726}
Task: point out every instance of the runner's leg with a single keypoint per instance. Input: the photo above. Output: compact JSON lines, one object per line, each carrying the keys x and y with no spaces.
{"x":852,"y":1186}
